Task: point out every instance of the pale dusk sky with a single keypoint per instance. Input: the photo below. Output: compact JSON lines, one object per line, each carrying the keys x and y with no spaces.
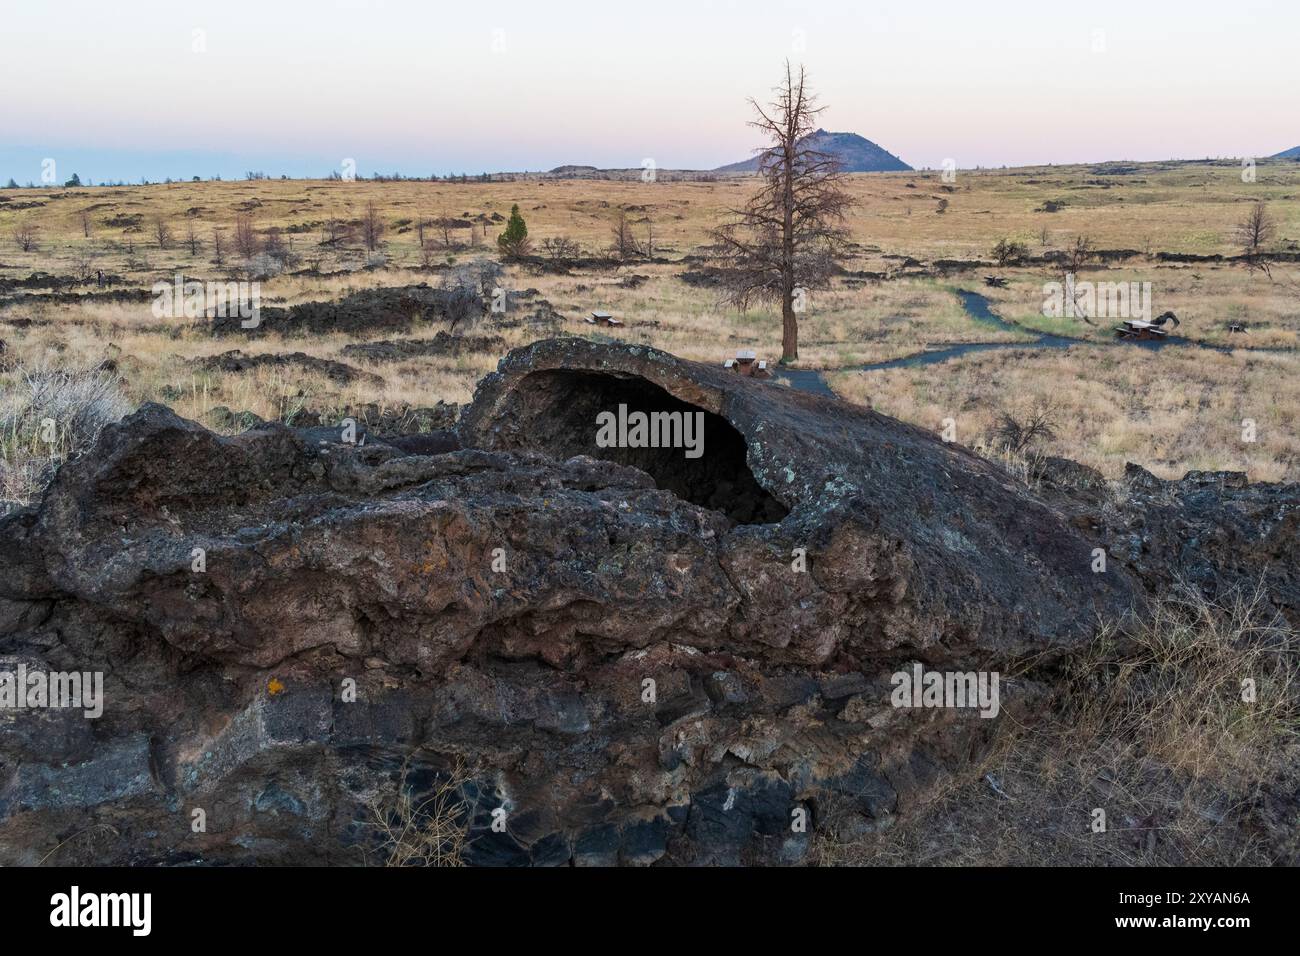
{"x":152,"y":88}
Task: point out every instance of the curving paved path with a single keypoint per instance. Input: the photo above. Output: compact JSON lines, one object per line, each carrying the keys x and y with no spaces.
{"x":978,"y":308}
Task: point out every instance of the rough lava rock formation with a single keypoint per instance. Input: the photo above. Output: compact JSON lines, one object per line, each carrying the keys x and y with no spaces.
{"x":618,"y":645}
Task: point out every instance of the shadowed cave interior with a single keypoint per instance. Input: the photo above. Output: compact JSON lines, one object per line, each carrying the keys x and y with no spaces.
{"x":557,"y":415}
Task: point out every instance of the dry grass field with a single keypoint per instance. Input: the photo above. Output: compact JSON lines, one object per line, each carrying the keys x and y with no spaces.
{"x":1162,"y":739}
{"x":1170,"y":411}
{"x":918,"y":241}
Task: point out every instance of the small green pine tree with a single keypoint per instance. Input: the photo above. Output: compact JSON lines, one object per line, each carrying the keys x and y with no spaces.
{"x":514,"y":243}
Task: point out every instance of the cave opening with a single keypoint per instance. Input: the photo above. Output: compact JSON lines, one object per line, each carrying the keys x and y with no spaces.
{"x":557,"y":414}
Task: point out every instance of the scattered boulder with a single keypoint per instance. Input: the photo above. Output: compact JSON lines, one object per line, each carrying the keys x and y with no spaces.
{"x":364,"y":313}
{"x":1071,"y":478}
{"x":402,"y":426}
{"x":222,"y":418}
{"x":697,"y":278}
{"x":398,"y":421}
{"x":442,"y":344}
{"x":237,"y":360}
{"x":1213,"y":530}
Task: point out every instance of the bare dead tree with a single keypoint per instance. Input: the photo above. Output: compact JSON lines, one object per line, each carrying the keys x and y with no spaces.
{"x":84,"y":262}
{"x":162,"y":232}
{"x":1016,"y":433}
{"x":25,"y":236}
{"x":335,"y":233}
{"x":245,"y":240}
{"x":1078,"y":254}
{"x":421,"y":224}
{"x":791,"y":233}
{"x":445,"y":225}
{"x":624,"y":245}
{"x":469,"y":290}
{"x":1256,"y":229}
{"x":560,"y":248}
{"x":192,"y":238}
{"x":647,"y":249}
{"x":1253,"y":233}
{"x":372,"y":227}
{"x":273,"y":244}
{"x":218,"y":249}
{"x":1009,"y":251}
{"x":85,"y":224}
{"x":1075,"y":256}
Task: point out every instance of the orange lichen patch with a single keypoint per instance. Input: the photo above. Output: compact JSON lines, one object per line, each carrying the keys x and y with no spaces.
{"x":434,"y":563}
{"x":274,"y":686}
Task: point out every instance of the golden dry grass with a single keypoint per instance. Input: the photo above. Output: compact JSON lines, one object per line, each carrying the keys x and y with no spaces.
{"x":1154,"y":725}
{"x":1168,"y":412}
{"x":1171,"y":411}
{"x":1183,"y":207}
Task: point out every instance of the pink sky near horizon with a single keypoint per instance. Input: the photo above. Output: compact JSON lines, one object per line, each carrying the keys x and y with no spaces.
{"x":513,"y":85}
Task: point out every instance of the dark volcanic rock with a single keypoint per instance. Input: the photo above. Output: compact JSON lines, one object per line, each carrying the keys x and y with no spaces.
{"x":1212,"y":530}
{"x":443,"y":344}
{"x":223,"y":418}
{"x":404,"y":421}
{"x":367,"y":312}
{"x":236,"y":360}
{"x":1070,"y":478}
{"x":919,"y":543}
{"x":402,"y":426}
{"x":618,"y":647}
{"x":701,"y":277}
{"x":64,"y":297}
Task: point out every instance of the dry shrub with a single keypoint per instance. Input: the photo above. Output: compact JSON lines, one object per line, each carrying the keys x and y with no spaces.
{"x":1169,"y":689}
{"x":47,"y":414}
{"x":469,"y":291}
{"x":431,"y":832}
{"x":1148,"y":724}
{"x":1026,"y":465}
{"x":84,"y":847}
{"x":1018,"y":433}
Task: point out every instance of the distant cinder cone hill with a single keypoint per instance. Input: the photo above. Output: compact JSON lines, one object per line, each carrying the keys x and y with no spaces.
{"x":1293,"y":153}
{"x":857,"y":154}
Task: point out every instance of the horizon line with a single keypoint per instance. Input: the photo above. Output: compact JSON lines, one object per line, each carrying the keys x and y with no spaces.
{"x":258,"y":175}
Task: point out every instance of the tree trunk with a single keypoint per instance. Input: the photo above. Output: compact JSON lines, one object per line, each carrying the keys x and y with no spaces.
{"x":789,"y":326}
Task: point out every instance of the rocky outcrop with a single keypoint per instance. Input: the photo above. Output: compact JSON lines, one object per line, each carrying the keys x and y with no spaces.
{"x":929,"y":547}
{"x":362,"y":313}
{"x":236,"y":360}
{"x":618,"y":654}
{"x":444,"y":344}
{"x":1212,"y":530}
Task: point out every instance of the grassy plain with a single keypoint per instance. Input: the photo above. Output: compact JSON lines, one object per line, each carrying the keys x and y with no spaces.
{"x":1170,"y":411}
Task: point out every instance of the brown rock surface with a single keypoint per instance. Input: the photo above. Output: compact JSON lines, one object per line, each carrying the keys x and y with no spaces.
{"x":508,"y":604}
